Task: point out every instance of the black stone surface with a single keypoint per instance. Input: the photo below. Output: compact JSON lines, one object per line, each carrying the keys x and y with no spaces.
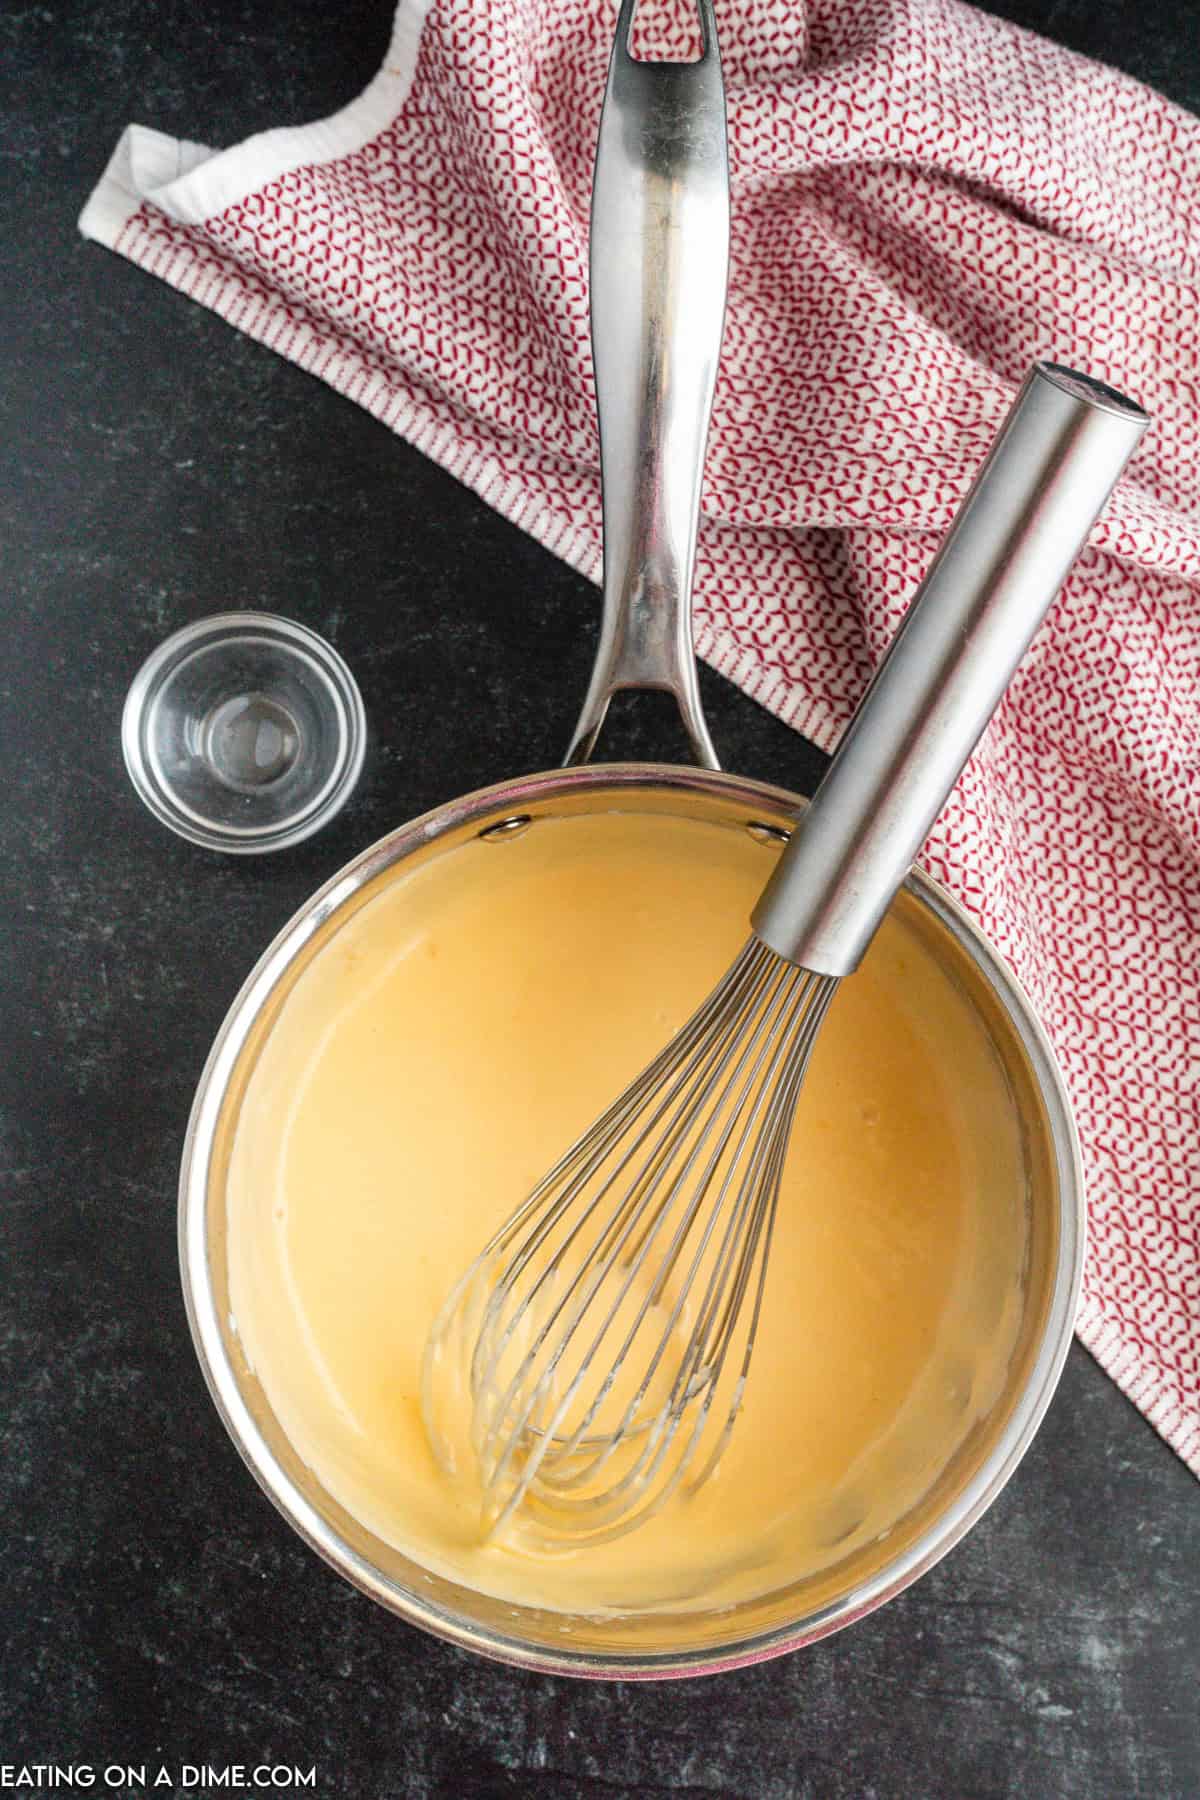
{"x":157,"y":467}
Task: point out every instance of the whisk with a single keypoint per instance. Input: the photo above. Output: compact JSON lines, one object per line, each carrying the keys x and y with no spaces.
{"x":601,"y":1342}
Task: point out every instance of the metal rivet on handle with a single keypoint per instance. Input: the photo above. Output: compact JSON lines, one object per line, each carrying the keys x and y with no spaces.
{"x":507,"y":828}
{"x":768,"y":834}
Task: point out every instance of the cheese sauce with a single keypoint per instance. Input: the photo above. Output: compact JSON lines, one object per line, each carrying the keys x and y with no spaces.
{"x":445,"y":1046}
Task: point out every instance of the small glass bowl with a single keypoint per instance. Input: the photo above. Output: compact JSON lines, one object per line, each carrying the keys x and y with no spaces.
{"x":244,"y":732}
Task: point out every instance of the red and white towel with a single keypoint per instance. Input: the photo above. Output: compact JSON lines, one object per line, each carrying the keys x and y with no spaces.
{"x":925,"y":200}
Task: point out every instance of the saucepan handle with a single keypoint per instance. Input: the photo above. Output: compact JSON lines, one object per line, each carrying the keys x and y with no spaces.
{"x":659,"y":270}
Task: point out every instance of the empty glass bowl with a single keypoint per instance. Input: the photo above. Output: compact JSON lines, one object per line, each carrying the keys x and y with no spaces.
{"x":244,"y":732}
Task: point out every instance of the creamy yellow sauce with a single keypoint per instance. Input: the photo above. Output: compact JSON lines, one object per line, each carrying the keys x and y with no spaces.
{"x":438,"y":1054}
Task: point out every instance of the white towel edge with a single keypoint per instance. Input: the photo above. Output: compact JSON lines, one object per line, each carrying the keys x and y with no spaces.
{"x":191,"y":183}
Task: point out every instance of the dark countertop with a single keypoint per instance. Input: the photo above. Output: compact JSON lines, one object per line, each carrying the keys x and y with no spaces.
{"x":155,"y":1609}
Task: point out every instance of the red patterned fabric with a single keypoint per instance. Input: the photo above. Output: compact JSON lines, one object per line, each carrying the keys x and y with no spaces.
{"x":925,"y":199}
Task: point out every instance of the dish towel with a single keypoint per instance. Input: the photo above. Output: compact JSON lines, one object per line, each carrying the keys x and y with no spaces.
{"x":925,"y":199}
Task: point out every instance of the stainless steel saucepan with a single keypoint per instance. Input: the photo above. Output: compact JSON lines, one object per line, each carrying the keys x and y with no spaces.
{"x":658,"y":265}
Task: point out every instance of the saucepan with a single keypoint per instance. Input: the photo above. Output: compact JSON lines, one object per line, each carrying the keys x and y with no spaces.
{"x":659,"y":250}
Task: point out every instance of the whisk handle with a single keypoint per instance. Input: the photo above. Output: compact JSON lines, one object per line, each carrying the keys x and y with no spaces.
{"x":659,"y":260}
{"x":1057,"y":458}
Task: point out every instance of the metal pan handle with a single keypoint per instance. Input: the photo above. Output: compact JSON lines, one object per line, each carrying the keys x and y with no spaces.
{"x":659,"y":271}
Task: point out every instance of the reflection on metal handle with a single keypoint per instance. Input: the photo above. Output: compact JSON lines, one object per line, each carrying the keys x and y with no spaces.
{"x":659,"y":269}
{"x":1024,"y":521}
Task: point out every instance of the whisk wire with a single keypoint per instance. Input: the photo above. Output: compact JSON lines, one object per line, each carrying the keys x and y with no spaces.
{"x":691,"y":1085}
{"x":699,"y":1363}
{"x":590,"y":1152}
{"x":707,"y":1350}
{"x":640,"y":1259}
{"x":616,"y":1511}
{"x":635,"y":1257}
